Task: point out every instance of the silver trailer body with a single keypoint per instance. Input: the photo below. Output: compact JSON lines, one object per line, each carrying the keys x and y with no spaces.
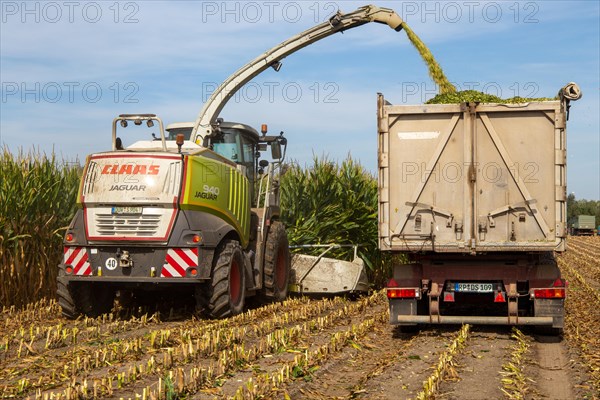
{"x":474,"y":196}
{"x":472,"y":178}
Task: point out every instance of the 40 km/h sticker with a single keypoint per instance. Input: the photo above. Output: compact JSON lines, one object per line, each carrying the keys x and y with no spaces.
{"x":111,"y":263}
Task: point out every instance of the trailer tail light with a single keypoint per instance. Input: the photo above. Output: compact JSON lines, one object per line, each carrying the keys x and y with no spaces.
{"x":402,"y":293}
{"x":550,"y":293}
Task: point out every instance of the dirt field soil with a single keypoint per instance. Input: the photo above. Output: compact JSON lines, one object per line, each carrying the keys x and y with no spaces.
{"x":304,"y":349}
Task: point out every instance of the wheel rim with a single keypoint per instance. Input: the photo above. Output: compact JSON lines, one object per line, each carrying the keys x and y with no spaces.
{"x":280,"y":269}
{"x":235,"y":283}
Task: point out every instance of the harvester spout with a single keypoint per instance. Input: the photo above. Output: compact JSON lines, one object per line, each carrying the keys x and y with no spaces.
{"x":340,"y":22}
{"x":387,"y":16}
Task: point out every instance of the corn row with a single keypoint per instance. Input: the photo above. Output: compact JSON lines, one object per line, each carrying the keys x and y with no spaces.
{"x":445,"y":363}
{"x":231,"y":357}
{"x":302,"y":365}
{"x":514,"y":382}
{"x":591,"y":243}
{"x":209,"y":336}
{"x":587,"y":265}
{"x":32,"y":312}
{"x":581,"y":320}
{"x":229,"y":360}
{"x":582,"y":281}
{"x":584,"y":250}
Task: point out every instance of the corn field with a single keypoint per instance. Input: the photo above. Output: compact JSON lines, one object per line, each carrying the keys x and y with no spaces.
{"x":37,"y":202}
{"x":300,"y":348}
{"x":324,"y":203}
{"x":327,"y":203}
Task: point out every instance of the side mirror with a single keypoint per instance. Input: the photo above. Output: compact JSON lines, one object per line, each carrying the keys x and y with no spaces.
{"x":275,"y":150}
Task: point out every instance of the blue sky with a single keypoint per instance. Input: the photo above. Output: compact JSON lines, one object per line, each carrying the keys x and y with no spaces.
{"x":68,"y":68}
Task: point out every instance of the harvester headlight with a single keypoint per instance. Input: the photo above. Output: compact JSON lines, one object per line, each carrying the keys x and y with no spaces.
{"x":124,"y":123}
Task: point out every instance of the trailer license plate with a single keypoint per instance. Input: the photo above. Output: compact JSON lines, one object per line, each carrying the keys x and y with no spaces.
{"x":474,"y":287}
{"x":126,"y":210}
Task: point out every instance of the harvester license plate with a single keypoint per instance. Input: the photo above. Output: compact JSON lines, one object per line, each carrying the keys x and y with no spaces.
{"x":474,"y":287}
{"x":127,"y":210}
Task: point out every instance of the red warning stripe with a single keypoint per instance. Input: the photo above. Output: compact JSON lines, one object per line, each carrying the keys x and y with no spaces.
{"x":77,"y":258}
{"x":177,"y":261}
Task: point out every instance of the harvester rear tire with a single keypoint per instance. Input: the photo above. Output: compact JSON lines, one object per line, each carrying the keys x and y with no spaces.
{"x":76,"y":298}
{"x":276,"y":272}
{"x":225,"y":294}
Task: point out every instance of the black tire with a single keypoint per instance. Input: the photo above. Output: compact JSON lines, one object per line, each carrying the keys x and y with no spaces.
{"x":276,"y":272}
{"x":225,"y":294}
{"x":76,"y":298}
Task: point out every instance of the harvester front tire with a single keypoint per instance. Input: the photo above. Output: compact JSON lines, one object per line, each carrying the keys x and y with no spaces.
{"x":227,"y":288}
{"x":276,"y":272}
{"x":76,"y":298}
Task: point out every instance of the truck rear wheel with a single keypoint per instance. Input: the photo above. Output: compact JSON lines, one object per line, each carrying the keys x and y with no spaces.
{"x":276,"y":273}
{"x":76,"y":298}
{"x":227,"y":289}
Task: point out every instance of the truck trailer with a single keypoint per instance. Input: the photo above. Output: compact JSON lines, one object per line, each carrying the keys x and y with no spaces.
{"x":474,"y":196}
{"x":583,"y":225}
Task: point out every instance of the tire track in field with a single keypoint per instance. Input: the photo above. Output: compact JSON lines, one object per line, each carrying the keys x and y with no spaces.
{"x":478,"y":366}
{"x":404,"y":378}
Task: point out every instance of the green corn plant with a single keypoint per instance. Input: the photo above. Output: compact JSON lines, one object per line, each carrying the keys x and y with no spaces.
{"x":37,"y":201}
{"x":333,"y":203}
